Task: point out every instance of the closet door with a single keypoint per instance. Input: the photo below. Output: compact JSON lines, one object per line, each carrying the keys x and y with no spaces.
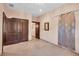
{"x":20,"y":30}
{"x":11,"y":31}
{"x":69,"y":41}
{"x":14,"y":30}
{"x":25,"y":30}
{"x":66,"y":34}
{"x":61,"y":31}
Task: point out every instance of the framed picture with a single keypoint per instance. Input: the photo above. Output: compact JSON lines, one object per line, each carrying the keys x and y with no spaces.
{"x":46,"y":26}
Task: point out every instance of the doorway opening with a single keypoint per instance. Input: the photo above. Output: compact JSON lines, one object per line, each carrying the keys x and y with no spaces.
{"x":36,"y":29}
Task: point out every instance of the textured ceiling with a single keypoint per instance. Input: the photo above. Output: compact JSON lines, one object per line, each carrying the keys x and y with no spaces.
{"x":35,"y":9}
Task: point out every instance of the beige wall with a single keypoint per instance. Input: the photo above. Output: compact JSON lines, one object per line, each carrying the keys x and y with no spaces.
{"x":36,"y":19}
{"x":52,"y":17}
{"x":77,"y":31}
{"x":1,"y":11}
{"x":52,"y":34}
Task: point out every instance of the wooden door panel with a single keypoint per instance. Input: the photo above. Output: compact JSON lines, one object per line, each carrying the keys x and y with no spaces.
{"x":25,"y":30}
{"x":20,"y":26}
{"x":14,"y":30}
{"x":11,"y":33}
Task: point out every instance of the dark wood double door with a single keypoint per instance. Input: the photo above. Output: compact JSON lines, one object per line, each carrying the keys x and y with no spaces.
{"x":15,"y":30}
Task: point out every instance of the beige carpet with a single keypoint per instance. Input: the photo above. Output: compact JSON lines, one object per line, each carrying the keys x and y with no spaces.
{"x":36,"y":47}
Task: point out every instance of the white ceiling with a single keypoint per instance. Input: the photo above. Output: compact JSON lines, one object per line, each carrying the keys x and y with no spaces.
{"x":35,"y":9}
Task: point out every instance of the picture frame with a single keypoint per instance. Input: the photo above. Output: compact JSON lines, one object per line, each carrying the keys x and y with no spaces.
{"x":46,"y":26}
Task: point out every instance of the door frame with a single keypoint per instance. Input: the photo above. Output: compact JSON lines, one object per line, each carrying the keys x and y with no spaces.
{"x":38,"y":28}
